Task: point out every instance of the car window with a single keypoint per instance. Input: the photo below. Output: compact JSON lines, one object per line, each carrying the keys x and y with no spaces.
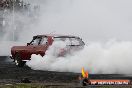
{"x":69,"y":41}
{"x":75,"y":41}
{"x":44,"y":41}
{"x":36,"y":41}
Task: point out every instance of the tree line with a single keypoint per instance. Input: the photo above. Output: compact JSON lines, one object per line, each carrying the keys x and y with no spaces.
{"x":9,"y":17}
{"x":13,"y":4}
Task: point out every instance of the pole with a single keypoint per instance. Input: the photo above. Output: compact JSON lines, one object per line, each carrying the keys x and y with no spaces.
{"x":13,"y":26}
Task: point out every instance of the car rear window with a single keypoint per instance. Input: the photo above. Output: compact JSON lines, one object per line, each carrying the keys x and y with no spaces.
{"x":69,"y":41}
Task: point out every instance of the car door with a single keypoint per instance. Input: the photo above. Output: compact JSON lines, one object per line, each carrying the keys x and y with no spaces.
{"x":37,"y":46}
{"x":31,"y":48}
{"x":42,"y":46}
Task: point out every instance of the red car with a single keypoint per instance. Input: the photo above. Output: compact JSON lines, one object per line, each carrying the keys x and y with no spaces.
{"x":39,"y":45}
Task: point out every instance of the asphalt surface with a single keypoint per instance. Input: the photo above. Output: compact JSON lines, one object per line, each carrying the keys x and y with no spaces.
{"x":9,"y":73}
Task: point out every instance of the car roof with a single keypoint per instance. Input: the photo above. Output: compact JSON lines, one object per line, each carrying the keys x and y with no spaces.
{"x":56,"y":36}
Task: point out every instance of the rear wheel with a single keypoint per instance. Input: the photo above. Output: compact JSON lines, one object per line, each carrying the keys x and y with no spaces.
{"x":18,"y":61}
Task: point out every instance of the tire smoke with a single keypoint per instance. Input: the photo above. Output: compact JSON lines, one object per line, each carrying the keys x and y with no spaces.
{"x":111,"y":57}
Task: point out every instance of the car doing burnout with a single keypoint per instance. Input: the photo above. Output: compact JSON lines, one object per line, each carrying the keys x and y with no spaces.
{"x":40,"y":44}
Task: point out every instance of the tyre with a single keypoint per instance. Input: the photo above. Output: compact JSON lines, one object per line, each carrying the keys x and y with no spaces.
{"x":18,"y":61}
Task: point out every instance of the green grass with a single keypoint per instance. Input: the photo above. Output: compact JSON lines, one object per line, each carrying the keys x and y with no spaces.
{"x":33,"y":86}
{"x":41,"y":85}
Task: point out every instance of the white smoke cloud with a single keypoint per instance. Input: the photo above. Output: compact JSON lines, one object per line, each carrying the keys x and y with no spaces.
{"x":5,"y":47}
{"x":12,"y":27}
{"x":91,"y":19}
{"x":10,"y":35}
{"x":110,"y":57}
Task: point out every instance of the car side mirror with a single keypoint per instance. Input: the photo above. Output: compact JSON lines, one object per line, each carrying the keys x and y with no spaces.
{"x":28,"y":44}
